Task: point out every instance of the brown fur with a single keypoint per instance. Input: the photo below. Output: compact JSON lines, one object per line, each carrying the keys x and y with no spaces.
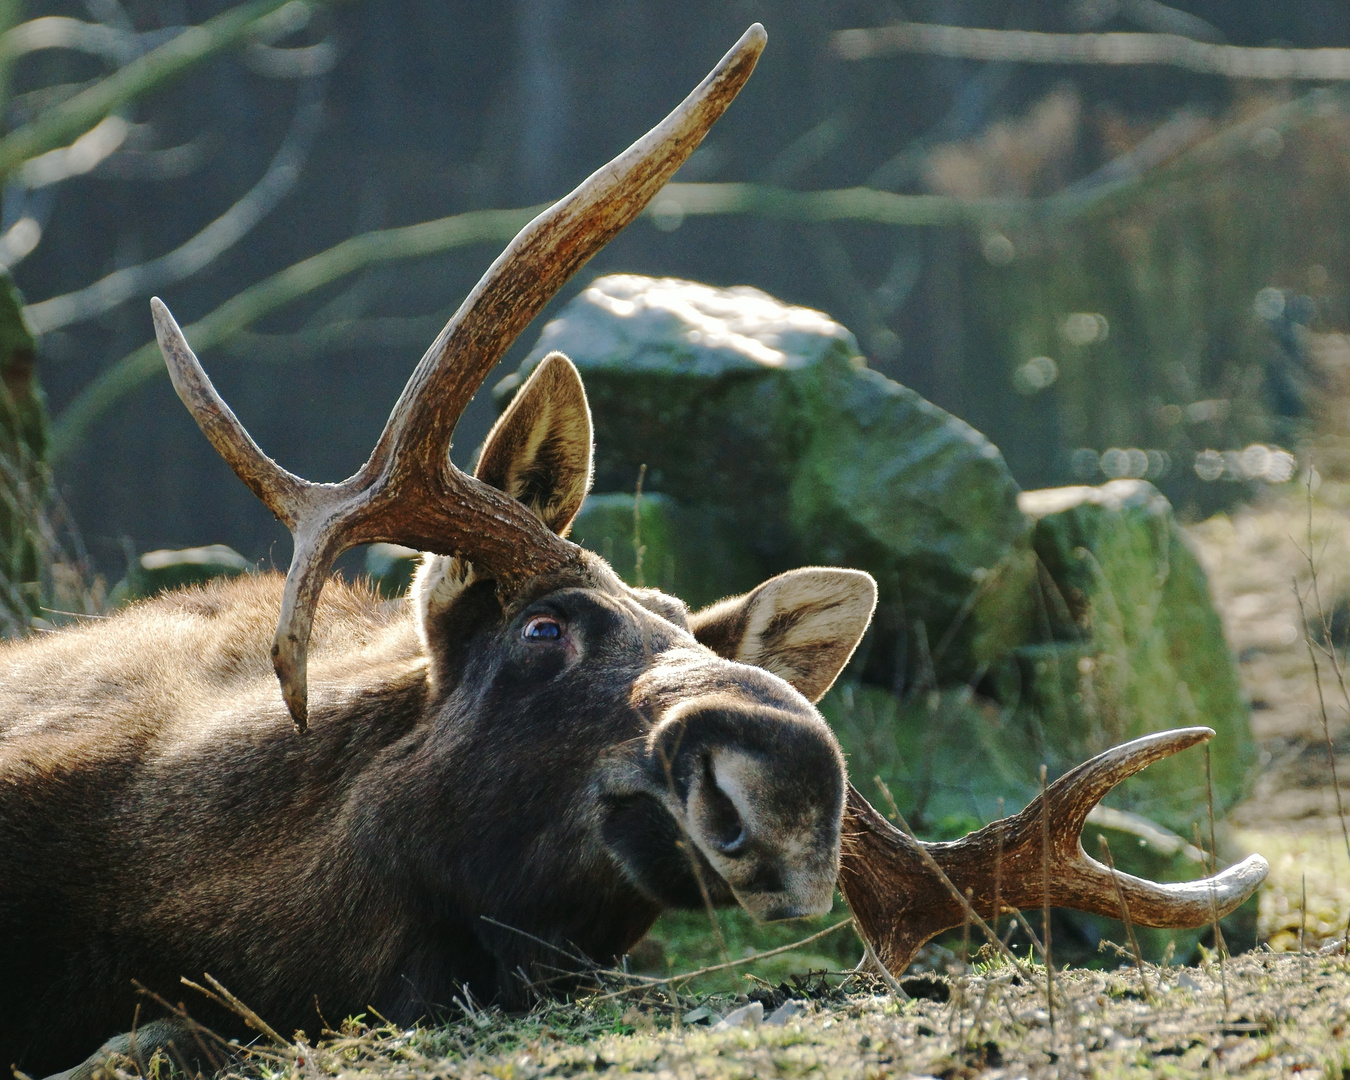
{"x":160,"y":818}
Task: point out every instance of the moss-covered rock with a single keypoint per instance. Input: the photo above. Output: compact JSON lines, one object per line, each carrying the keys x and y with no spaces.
{"x":1132,"y":644}
{"x":762,"y":422}
{"x":172,"y":568}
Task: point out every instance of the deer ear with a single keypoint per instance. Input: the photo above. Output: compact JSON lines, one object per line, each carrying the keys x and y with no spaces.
{"x":802,"y":626}
{"x":539,"y":450}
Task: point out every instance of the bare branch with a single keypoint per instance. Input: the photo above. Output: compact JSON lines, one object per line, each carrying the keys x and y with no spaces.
{"x":201,"y":250}
{"x":1033,"y":47}
{"x":64,"y":122}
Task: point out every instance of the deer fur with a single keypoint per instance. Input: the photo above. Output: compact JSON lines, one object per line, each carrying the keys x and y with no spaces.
{"x":160,"y":818}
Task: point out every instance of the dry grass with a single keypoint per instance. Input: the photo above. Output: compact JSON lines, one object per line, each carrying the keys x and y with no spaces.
{"x":1288,"y":1014}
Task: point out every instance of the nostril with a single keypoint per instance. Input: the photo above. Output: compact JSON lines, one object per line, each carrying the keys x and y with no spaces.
{"x":722,"y":823}
{"x":733,"y":846}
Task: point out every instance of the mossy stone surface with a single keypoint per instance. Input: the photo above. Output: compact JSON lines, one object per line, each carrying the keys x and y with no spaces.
{"x":173,"y":568}
{"x":1135,"y":646}
{"x":762,"y":420}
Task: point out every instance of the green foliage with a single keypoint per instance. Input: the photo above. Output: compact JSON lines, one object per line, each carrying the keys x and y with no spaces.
{"x":23,"y":471}
{"x":683,"y":941}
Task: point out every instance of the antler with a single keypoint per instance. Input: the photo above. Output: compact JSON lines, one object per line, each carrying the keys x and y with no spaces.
{"x":899,"y":902}
{"x":408,"y":492}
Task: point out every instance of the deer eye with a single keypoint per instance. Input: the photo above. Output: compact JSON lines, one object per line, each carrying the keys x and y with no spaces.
{"x":542,"y":628}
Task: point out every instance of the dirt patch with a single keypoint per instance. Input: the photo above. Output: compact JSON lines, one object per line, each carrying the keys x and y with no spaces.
{"x":1255,"y":559}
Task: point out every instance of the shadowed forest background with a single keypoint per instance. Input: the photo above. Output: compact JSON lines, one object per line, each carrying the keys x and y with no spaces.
{"x":387,"y":114}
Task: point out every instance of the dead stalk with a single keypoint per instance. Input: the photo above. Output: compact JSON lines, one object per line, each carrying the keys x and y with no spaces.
{"x":1021,"y":920}
{"x":1214,"y":922}
{"x":1303,"y":915}
{"x":1329,"y":649}
{"x":1219,"y":942}
{"x":1125,"y":917}
{"x":644,"y":982}
{"x":892,"y":984}
{"x":200,"y":1030}
{"x":998,"y":865}
{"x":1045,"y":908}
{"x":222,"y":996}
{"x":965,"y":930}
{"x":639,"y":549}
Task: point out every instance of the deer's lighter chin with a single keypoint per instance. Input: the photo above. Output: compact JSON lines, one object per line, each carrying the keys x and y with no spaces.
{"x":776,"y":907}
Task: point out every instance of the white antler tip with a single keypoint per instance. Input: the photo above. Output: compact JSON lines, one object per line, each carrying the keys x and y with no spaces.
{"x":166,"y":326}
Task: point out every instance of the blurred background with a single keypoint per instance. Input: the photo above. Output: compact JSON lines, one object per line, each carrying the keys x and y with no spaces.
{"x":1129,"y":270}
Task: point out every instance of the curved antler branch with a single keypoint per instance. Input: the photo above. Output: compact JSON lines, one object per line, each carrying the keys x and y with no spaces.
{"x":408,"y":492}
{"x":900,"y":903}
{"x":284,"y":493}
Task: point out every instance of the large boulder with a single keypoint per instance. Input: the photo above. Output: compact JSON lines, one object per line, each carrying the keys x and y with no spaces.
{"x":172,"y":568}
{"x":761,"y":423}
{"x":1130,"y":644}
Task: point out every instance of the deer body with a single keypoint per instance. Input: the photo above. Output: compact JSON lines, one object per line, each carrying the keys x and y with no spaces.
{"x":153,"y":816}
{"x":160,"y":817}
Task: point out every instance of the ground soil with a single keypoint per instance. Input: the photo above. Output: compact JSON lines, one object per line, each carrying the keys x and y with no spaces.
{"x":1256,"y":559}
{"x":1259,"y":1015}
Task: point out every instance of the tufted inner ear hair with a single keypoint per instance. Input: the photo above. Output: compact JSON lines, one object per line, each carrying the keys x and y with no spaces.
{"x":539,"y":450}
{"x":802,"y":625}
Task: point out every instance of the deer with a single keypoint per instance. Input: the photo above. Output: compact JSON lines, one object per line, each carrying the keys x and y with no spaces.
{"x":523,"y":761}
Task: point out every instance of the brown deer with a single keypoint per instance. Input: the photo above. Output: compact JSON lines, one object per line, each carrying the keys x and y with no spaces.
{"x":522,"y":763}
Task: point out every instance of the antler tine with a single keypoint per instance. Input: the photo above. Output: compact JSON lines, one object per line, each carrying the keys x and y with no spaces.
{"x":408,"y":491}
{"x":1178,"y":904}
{"x":900,"y":901}
{"x":544,"y":255}
{"x":1074,"y":794}
{"x":284,"y":493}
